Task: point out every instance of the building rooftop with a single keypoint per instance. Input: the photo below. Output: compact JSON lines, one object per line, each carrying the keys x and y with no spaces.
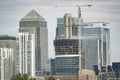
{"x":33,"y":15}
{"x":6,"y":37}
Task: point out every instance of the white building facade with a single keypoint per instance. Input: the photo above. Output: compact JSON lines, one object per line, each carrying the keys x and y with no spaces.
{"x":7,"y":41}
{"x":6,"y":63}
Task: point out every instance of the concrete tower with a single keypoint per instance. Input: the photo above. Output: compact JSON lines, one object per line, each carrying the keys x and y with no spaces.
{"x":67,"y":26}
{"x":33,"y":44}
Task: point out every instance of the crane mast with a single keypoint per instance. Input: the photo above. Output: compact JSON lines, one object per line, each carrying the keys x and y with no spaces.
{"x":79,"y":12}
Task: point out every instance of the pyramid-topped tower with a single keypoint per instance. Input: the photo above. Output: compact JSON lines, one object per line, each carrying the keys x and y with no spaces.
{"x":33,"y":19}
{"x":33,"y":15}
{"x":33,"y":44}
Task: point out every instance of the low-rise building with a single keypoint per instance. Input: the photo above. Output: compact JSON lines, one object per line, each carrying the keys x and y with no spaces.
{"x":62,"y":77}
{"x":87,"y":75}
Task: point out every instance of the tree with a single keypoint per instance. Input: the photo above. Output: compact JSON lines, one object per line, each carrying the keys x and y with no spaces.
{"x":21,"y":77}
{"x":32,"y":79}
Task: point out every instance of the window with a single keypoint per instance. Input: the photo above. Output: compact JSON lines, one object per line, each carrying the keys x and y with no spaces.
{"x":75,"y":31}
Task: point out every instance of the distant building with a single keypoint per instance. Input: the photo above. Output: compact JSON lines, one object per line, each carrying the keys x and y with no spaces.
{"x":60,"y":29}
{"x":116,"y":69}
{"x":87,"y":75}
{"x":33,"y":44}
{"x":61,"y":77}
{"x":10,"y":42}
{"x":95,"y":37}
{"x":106,"y":72}
{"x":67,"y":45}
{"x":96,"y":44}
{"x":52,"y":66}
{"x":113,"y":72}
{"x":6,"y":63}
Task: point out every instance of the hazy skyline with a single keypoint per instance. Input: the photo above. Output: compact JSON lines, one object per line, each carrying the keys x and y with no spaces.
{"x":11,"y":12}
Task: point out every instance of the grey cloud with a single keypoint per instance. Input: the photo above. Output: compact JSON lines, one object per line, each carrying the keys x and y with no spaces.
{"x":11,"y":11}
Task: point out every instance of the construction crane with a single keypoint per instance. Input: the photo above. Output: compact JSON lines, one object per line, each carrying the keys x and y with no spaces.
{"x":79,"y":30}
{"x":79,"y":8}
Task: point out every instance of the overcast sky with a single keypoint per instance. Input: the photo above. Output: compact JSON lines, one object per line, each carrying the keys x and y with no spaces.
{"x":11,"y":12}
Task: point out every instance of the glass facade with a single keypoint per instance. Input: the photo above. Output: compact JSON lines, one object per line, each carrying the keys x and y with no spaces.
{"x":97,"y":46}
{"x":75,"y":31}
{"x":67,"y":48}
{"x":90,"y":50}
{"x":33,"y":44}
{"x":60,"y":29}
{"x":67,"y":65}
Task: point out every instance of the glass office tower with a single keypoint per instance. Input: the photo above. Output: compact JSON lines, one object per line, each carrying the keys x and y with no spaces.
{"x":33,"y":44}
{"x":96,"y":44}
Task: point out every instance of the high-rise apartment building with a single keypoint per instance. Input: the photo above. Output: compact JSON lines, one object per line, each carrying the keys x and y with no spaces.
{"x":9,"y":42}
{"x":6,"y":63}
{"x":96,"y":44}
{"x":67,"y":46}
{"x":33,"y":44}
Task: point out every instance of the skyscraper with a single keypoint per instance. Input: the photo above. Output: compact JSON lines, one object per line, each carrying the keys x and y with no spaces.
{"x":10,"y":42}
{"x":96,"y":44}
{"x":67,"y":46}
{"x":33,"y":44}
